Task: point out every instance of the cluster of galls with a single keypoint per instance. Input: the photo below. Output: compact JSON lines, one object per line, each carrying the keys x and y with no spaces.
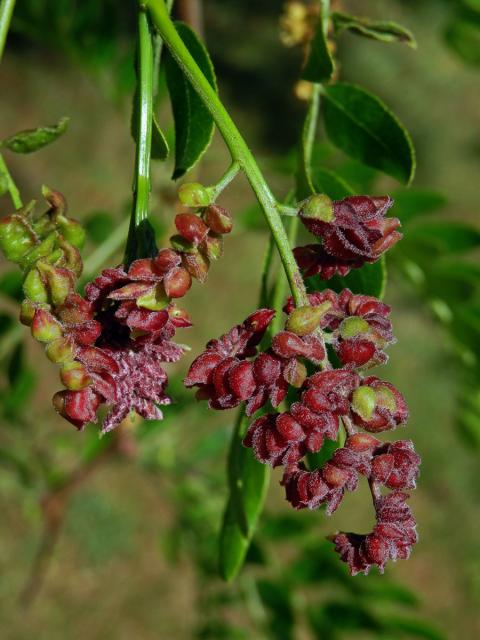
{"x":357,"y":329}
{"x":353,"y":231}
{"x":109,"y":343}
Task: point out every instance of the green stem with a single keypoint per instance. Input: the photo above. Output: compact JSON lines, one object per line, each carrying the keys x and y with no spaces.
{"x":233,"y":139}
{"x":224,"y":181}
{"x":6,"y":12}
{"x":141,"y":239}
{"x":11,"y":186}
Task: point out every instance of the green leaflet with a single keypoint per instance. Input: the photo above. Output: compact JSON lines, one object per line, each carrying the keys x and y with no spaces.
{"x":384,"y":31}
{"x":194,"y":125}
{"x":416,"y":202}
{"x":371,"y":280}
{"x":444,"y":236}
{"x":329,"y":182}
{"x":361,"y":125}
{"x":248,"y":481}
{"x":33,"y":139}
{"x":319,"y":66}
{"x":462,"y":35}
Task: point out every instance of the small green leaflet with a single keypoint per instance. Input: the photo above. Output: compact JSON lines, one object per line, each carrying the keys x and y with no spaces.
{"x":361,"y":125}
{"x":373,"y":29}
{"x":319,"y":66}
{"x":248,"y":481}
{"x":159,"y":150}
{"x":33,"y":139}
{"x":194,"y":125}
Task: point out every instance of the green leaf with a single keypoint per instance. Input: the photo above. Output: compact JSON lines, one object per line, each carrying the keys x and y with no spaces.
{"x":377,"y":589}
{"x":22,"y":381}
{"x":412,"y":203}
{"x":33,"y":139}
{"x":319,"y":66}
{"x":468,"y":417}
{"x":462,"y":36}
{"x":99,"y":226}
{"x":160,"y":148}
{"x":329,"y":182}
{"x":194,"y":125}
{"x":277,"y":599}
{"x":376,"y":30}
{"x":248,"y":480}
{"x":444,"y":236}
{"x":361,"y":125}
{"x":415,"y":628}
{"x":371,"y":280}
{"x":11,"y":285}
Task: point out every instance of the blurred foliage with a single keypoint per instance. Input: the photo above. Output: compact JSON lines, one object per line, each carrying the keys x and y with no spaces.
{"x":437,"y":260}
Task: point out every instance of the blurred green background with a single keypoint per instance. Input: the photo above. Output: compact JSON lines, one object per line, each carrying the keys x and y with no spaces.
{"x":135,"y":552}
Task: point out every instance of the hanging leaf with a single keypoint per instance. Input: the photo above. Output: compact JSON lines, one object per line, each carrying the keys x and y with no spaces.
{"x":248,"y":481}
{"x":361,"y":125}
{"x":33,"y":139}
{"x":319,"y":66}
{"x":329,"y":182}
{"x":373,"y":29}
{"x":462,"y":36}
{"x":194,"y":125}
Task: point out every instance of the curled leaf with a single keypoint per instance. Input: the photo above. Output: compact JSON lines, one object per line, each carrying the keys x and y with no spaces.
{"x":33,"y":139}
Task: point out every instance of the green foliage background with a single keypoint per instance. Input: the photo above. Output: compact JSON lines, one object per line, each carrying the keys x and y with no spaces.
{"x":136,"y":555}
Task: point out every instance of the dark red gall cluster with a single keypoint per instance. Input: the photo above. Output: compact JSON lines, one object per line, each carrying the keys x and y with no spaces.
{"x":110,"y":344}
{"x":354,"y":231}
{"x":327,"y":396}
{"x":226,"y":378}
{"x":391,"y":539}
{"x":357,"y":326}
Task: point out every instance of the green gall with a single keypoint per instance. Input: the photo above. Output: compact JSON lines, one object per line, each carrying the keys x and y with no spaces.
{"x":364,"y":402}
{"x":193,"y":194}
{"x":74,"y":376}
{"x":353,"y":326}
{"x":318,"y":206}
{"x":44,"y":327}
{"x":60,"y":351}
{"x":42,"y":250}
{"x":72,"y":231}
{"x":385,"y":398}
{"x":34,"y":286}
{"x":304,"y":320}
{"x":212,"y":246}
{"x":154,"y":300}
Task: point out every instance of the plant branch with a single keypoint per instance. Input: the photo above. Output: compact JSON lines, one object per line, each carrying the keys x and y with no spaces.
{"x":215,"y":190}
{"x":6,"y":13}
{"x":141,"y":239}
{"x":233,"y":139}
